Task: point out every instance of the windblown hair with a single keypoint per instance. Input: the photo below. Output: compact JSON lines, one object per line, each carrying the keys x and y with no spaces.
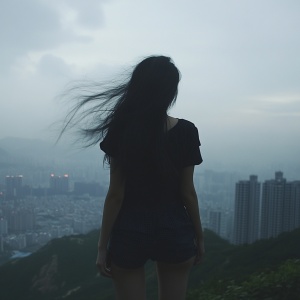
{"x":131,"y":116}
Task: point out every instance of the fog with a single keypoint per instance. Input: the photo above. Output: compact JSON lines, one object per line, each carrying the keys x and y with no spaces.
{"x":239,"y":62}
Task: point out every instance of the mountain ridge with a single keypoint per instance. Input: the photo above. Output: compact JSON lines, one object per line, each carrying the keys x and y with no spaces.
{"x":65,"y":267}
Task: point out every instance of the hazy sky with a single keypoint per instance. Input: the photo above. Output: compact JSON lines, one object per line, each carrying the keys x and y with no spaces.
{"x":239,"y":61}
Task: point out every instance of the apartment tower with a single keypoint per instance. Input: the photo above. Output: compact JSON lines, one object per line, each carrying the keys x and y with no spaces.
{"x":246,"y":212}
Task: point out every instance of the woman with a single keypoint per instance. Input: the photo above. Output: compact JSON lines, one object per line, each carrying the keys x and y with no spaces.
{"x":151,"y":208}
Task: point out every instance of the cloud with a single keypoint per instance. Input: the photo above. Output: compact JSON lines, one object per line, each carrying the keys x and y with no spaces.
{"x":238,"y":59}
{"x":88,"y":14}
{"x":54,"y":67}
{"x":35,"y":25}
{"x":280,"y":99}
{"x":281,"y":105}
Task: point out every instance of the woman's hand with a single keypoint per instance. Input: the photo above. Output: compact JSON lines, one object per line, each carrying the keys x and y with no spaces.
{"x":103,"y":263}
{"x":200,"y":251}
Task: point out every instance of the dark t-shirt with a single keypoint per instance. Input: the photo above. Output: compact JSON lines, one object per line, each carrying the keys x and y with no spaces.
{"x":183,"y":145}
{"x":144,"y":197}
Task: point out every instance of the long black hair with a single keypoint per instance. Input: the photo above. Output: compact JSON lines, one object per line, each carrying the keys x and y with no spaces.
{"x":130,"y":116}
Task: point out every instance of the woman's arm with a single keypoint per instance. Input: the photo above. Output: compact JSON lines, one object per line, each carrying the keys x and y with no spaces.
{"x":190,"y":200}
{"x":112,"y":205}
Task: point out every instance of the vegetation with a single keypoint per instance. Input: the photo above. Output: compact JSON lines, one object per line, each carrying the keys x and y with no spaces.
{"x":65,"y":269}
{"x":281,"y":284}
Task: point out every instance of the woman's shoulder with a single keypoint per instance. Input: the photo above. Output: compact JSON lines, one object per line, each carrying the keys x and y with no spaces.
{"x":189,"y":131}
{"x":185,"y":130}
{"x":186,"y":124}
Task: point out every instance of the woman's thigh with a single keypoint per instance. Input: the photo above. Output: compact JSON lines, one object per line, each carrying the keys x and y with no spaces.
{"x":129,"y":283}
{"x":173,"y":279}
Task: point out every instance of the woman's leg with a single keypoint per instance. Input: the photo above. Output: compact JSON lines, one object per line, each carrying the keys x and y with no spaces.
{"x":173,"y":279}
{"x":129,"y":283}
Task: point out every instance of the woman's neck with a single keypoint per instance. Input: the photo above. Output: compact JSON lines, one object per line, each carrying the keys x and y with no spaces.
{"x":171,"y":122}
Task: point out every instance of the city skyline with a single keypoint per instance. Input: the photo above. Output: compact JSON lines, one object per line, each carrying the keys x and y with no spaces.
{"x":30,"y":215}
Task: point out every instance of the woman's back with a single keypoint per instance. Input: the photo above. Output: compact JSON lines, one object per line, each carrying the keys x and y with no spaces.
{"x":147,"y":188}
{"x":151,"y":208}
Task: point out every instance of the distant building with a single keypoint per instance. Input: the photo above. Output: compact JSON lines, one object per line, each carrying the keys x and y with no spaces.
{"x":13,"y":186}
{"x":20,"y":220}
{"x":2,"y":191}
{"x":31,"y":238}
{"x":59,"y":184}
{"x":246,"y":212}
{"x":215,"y":221}
{"x":280,"y":206}
{"x":91,"y":188}
{"x":1,"y":244}
{"x":17,"y":242}
{"x":291,"y":207}
{"x":3,"y":226}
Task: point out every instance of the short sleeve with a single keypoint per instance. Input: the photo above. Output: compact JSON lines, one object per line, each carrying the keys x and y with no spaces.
{"x":192,"y":154}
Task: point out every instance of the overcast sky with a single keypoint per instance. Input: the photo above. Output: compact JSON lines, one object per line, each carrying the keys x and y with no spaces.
{"x":239,"y":61}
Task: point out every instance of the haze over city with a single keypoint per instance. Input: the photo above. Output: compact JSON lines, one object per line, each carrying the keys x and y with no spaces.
{"x":239,"y":62}
{"x":240,"y":74}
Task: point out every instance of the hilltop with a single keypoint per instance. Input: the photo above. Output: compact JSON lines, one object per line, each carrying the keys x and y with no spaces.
{"x":65,"y":267}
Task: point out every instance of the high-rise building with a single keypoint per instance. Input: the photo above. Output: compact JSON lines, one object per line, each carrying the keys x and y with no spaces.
{"x":280,"y":206}
{"x":13,"y":186}
{"x":3,"y":226}
{"x":1,"y":244}
{"x":59,"y":184}
{"x":246,"y":212}
{"x":215,"y":221}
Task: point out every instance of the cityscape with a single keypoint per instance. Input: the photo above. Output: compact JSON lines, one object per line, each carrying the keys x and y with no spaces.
{"x":240,"y":211}
{"x":30,"y":217}
{"x":239,"y":85}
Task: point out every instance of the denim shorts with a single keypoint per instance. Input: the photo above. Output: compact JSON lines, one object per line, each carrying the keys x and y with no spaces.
{"x":131,"y":249}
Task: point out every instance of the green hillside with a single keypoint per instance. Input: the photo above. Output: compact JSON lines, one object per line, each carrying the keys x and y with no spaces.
{"x":65,"y":269}
{"x":283,"y":283}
